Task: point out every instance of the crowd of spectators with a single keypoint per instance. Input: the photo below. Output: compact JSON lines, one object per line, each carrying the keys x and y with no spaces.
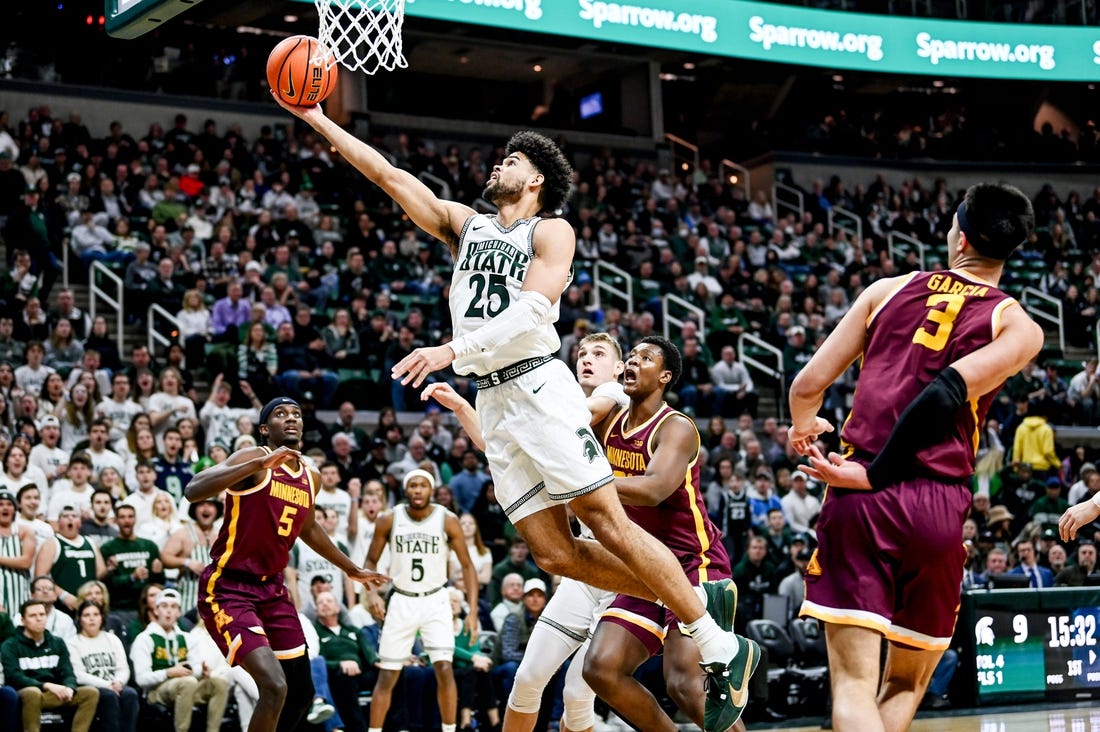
{"x":286,"y":273}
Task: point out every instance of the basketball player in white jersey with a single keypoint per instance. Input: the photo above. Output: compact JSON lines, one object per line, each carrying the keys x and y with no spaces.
{"x":420,"y":535}
{"x":566,"y":623}
{"x":510,"y":271}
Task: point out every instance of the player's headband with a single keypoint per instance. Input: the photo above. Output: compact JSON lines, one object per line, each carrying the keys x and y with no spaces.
{"x":418,"y":473}
{"x":276,"y":402}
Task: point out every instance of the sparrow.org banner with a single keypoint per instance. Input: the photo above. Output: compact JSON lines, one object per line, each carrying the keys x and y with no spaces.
{"x":787,"y":34}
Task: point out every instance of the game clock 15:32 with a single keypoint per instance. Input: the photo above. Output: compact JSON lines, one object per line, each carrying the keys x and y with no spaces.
{"x":1053,"y":653}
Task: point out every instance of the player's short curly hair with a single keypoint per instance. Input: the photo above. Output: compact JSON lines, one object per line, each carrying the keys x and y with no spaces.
{"x":548,"y":159}
{"x":671,"y":356}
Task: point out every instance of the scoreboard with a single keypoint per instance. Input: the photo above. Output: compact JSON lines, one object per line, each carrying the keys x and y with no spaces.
{"x":1030,"y":644}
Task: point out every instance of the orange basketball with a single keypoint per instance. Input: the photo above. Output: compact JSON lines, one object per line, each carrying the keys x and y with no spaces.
{"x":301,"y":71}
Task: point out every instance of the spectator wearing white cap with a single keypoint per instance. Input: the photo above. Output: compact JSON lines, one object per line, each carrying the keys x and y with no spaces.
{"x":171,"y":671}
{"x":799,"y":504}
{"x":516,"y":631}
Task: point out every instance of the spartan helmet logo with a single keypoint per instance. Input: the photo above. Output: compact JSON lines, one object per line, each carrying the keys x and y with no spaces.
{"x":589,"y":448}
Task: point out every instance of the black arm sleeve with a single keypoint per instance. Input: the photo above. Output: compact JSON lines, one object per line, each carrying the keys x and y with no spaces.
{"x":924,"y":422}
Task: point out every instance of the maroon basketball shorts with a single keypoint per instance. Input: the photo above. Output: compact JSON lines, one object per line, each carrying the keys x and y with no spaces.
{"x":891,"y":560}
{"x":243,"y":614}
{"x":648,"y":621}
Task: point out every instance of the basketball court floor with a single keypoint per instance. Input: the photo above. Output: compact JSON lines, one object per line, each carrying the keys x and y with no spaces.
{"x":1033,"y":718}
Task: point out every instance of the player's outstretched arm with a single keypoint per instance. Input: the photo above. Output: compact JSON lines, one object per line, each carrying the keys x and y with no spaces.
{"x":239,"y":469}
{"x":464,"y":412}
{"x":553,"y":244}
{"x":676,"y":444}
{"x":836,"y":354}
{"x":442,"y":219}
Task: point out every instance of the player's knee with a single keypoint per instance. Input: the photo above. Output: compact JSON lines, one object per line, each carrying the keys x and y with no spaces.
{"x":599,"y":674}
{"x":578,"y":699}
{"x":684,"y":690}
{"x":273,"y":686}
{"x":526,"y":695}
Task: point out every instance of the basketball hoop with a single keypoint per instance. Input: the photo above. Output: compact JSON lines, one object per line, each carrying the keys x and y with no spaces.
{"x":363,"y":34}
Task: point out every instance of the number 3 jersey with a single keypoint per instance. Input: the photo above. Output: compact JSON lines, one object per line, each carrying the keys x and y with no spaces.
{"x":489,"y":272}
{"x":419,"y":550}
{"x":261,"y":523}
{"x":925,"y":324}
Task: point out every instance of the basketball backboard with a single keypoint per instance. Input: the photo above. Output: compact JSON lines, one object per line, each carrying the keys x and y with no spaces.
{"x":132,"y":18}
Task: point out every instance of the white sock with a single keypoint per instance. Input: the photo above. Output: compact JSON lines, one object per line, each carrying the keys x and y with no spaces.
{"x":447,"y":728}
{"x":375,"y":729}
{"x":714,"y":645}
{"x":701,"y":594}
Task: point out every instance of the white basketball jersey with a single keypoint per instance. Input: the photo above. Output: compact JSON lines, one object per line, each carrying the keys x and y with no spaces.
{"x":489,"y":272}
{"x":419,"y":550}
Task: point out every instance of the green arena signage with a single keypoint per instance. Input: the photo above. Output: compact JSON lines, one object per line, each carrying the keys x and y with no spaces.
{"x":786,"y":34}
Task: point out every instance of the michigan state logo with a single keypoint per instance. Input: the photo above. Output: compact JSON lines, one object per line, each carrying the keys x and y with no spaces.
{"x":589,"y":447}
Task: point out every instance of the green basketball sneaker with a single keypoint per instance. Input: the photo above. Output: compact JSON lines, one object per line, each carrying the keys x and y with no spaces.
{"x":721,"y":602}
{"x":727,"y":686}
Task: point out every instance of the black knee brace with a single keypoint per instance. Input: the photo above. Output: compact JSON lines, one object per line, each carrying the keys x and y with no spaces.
{"x":299,"y":692}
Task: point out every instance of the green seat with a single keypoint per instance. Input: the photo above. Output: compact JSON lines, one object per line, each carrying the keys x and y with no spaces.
{"x":352,"y":375}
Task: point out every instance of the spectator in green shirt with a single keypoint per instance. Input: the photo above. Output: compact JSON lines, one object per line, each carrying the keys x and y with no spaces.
{"x":349,"y":658}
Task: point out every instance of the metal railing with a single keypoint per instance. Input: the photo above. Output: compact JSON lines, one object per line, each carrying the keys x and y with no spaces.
{"x":912,"y":241}
{"x":599,"y":286}
{"x":674,"y":142}
{"x":444,"y":186}
{"x":847,"y":221}
{"x":155,"y":337}
{"x":796,"y":204}
{"x":97,"y":293}
{"x":776,"y":372}
{"x":740,"y":175}
{"x":1096,"y":344}
{"x":668,"y":319}
{"x":1031,"y":298}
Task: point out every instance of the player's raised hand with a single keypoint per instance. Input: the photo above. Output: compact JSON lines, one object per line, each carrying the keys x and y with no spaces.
{"x":308,"y":114}
{"x":280,"y":456}
{"x":442,"y":392}
{"x":802,"y":439}
{"x":836,"y":471}
{"x":417,"y":365}
{"x":1075,"y":517}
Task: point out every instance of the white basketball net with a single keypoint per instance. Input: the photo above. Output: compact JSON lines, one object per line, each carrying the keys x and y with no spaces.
{"x":363,"y":34}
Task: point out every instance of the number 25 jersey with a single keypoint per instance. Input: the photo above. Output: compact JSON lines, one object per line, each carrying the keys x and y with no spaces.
{"x":930,"y":320}
{"x":489,"y":272}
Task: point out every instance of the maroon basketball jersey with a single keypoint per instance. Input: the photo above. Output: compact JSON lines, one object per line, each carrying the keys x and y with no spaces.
{"x":929,"y":321}
{"x":262,"y":523}
{"x":680,"y":521}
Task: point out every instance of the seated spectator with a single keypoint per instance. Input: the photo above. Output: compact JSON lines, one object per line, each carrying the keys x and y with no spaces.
{"x":762,"y":499}
{"x":1074,"y":576}
{"x":258,"y":362}
{"x":140,"y":274}
{"x":349,"y":658}
{"x":479,"y":553}
{"x":165,"y":289}
{"x":95,"y":243}
{"x":36,"y":664}
{"x":468,"y":484}
{"x":301,"y":370}
{"x":471,"y":669}
{"x":170,"y":670}
{"x":229,"y":314}
{"x":1039,"y":576}
{"x":1047,"y":509}
{"x":99,"y":660}
{"x":793,"y":586}
{"x":517,"y":561}
{"x":196,"y":328}
{"x":63,"y":350}
{"x":779,"y":538}
{"x":734,"y":386}
{"x":341,"y":341}
{"x":511,"y":599}
{"x":755,"y":577}
{"x":1082,"y":395}
{"x":58,"y":623}
{"x":514,"y":633}
{"x":799,"y":505}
